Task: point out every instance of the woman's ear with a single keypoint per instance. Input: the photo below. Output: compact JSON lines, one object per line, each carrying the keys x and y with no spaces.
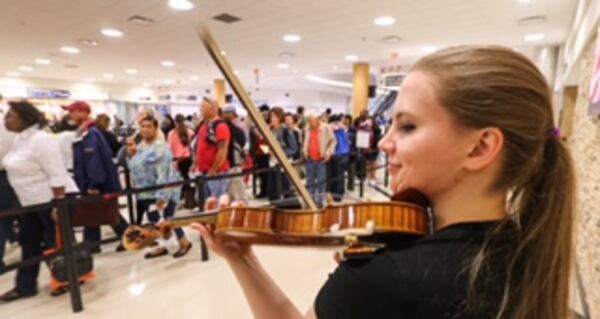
{"x":486,"y":148}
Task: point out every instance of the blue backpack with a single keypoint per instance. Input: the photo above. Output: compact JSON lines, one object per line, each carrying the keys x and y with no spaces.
{"x":343,"y":144}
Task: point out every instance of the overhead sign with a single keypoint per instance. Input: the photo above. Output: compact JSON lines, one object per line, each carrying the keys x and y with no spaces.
{"x":48,"y":94}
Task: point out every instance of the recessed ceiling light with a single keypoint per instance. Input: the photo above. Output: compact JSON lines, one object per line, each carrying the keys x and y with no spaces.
{"x":181,"y":4}
{"x":235,"y":72}
{"x":428,"y":49}
{"x":524,"y":1}
{"x":223,"y":52}
{"x":131,"y":71}
{"x":194,"y":78}
{"x":89,"y":80}
{"x":351,"y":57}
{"x":26,"y":68}
{"x":42,"y":61}
{"x":13,"y":73}
{"x":384,"y":21}
{"x":283,"y":66}
{"x":534,"y":37}
{"x":70,"y":50}
{"x":108,"y":75}
{"x":112,"y":33}
{"x":169,"y":81}
{"x":167,"y":63}
{"x":292,"y":38}
{"x":146,"y":84}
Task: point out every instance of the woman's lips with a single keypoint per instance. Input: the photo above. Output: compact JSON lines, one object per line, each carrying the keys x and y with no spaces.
{"x":393,"y":168}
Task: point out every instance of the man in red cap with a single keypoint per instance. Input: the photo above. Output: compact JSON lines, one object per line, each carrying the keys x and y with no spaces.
{"x":94,"y":169}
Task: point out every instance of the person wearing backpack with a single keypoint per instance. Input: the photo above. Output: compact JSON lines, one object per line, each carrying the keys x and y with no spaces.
{"x":339,"y":161}
{"x":212,"y":149}
{"x":276,"y":189}
{"x":236,"y":155}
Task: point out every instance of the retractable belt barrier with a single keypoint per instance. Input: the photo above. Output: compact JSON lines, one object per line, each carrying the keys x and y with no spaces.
{"x":62,"y":207}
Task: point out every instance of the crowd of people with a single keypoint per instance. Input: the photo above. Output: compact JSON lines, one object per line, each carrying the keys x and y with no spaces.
{"x":79,"y":154}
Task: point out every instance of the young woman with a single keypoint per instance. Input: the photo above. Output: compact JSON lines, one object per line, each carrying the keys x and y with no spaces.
{"x":151,"y":163}
{"x":473,"y":131}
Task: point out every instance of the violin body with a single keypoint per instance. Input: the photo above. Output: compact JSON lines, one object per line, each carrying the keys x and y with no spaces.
{"x":329,"y":226}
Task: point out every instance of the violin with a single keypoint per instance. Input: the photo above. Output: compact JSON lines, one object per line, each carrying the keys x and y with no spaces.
{"x":361,"y":227}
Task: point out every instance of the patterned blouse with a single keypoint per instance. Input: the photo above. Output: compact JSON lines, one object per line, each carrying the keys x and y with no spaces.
{"x":153,"y":165}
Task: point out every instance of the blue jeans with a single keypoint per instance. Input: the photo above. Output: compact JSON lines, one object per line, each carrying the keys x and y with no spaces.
{"x":8,"y":200}
{"x":316,"y":176}
{"x":216,"y":187}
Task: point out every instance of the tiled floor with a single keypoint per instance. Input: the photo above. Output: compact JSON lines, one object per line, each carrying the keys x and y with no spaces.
{"x":130,"y":287}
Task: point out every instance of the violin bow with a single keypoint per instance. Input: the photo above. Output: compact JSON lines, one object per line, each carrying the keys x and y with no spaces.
{"x":215,"y":52}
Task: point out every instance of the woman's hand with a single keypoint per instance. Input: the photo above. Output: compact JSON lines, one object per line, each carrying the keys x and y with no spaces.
{"x":231,"y":250}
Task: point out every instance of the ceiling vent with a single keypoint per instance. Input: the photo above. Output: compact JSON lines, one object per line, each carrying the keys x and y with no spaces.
{"x":140,"y":20}
{"x":391,"y":39}
{"x":532,"y":20}
{"x":227,"y":18}
{"x":88,"y":42}
{"x":287,"y":55}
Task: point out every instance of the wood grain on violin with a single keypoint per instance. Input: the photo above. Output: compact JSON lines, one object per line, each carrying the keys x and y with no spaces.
{"x":329,"y":226}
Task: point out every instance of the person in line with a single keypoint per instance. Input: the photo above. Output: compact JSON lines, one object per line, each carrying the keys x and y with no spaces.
{"x":291,"y":123}
{"x":236,"y":153}
{"x":372,"y":153}
{"x":213,"y":148}
{"x":180,"y":143}
{"x":167,"y":125}
{"x":473,"y":130}
{"x":338,"y":164}
{"x":351,"y":168}
{"x":94,"y":169}
{"x":151,"y":164}
{"x":103,"y":124}
{"x":259,"y":150}
{"x":36,"y":172}
{"x":319,"y":146}
{"x":279,"y":185}
{"x":8,"y":199}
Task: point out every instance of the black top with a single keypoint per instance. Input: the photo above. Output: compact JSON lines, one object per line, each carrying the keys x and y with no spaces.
{"x":423,"y":278}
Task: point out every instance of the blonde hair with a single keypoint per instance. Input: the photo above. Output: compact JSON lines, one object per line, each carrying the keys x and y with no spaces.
{"x":491,"y":86}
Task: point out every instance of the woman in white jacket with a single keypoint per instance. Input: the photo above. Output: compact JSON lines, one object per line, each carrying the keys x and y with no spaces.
{"x":36,"y":172}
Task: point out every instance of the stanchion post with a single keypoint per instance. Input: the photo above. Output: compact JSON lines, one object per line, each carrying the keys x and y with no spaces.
{"x":203,"y":249}
{"x":130,"y":208}
{"x":386,"y":178}
{"x":363,"y":174}
{"x":200,"y":184}
{"x":254,"y":179}
{"x":68,"y":253}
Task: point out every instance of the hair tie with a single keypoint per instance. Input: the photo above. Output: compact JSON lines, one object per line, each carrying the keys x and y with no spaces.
{"x":554,"y":134}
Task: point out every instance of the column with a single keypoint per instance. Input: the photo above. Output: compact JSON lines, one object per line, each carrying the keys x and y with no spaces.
{"x":220,"y":91}
{"x":360,"y":88}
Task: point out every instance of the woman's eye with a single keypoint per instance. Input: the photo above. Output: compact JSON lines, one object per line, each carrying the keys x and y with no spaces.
{"x":407,"y":128}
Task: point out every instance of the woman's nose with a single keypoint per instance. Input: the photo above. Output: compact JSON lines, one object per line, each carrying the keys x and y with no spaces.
{"x":386,"y":144}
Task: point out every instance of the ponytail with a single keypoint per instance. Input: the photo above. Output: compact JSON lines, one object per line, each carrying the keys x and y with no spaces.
{"x":545,"y":209}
